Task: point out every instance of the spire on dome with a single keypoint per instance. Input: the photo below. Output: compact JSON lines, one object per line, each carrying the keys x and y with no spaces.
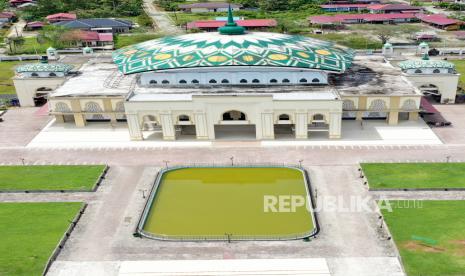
{"x":231,"y":27}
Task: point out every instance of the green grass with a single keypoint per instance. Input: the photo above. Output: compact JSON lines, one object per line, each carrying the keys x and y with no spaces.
{"x":49,"y":177}
{"x":6,"y":73}
{"x":29,"y":232}
{"x":460,"y":67}
{"x":353,"y":41}
{"x":415,"y":175}
{"x":214,"y":201}
{"x":126,"y":40}
{"x":439,"y":221}
{"x":30,"y":46}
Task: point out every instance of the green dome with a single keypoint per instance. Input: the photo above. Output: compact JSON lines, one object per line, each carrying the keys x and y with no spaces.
{"x":217,"y":50}
{"x":387,"y":45}
{"x":44,"y":67}
{"x":422,"y":63}
{"x":423,"y":44}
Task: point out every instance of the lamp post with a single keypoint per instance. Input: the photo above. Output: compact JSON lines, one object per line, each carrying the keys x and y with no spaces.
{"x":300,"y":163}
{"x":166,"y":163}
{"x":232,"y":160}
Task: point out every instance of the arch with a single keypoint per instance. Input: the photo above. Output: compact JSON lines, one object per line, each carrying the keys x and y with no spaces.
{"x":284,"y":117}
{"x":52,"y":75}
{"x":273,"y":81}
{"x":94,"y":107}
{"x":34,"y":75}
{"x":153,"y":82}
{"x":224,"y":81}
{"x":213,"y":81}
{"x":409,"y":105}
{"x":377,"y":106}
{"x":303,"y":80}
{"x":149,"y":122}
{"x":182,"y":81}
{"x":119,"y":107}
{"x":194,"y":81}
{"x":255,"y":81}
{"x":315,"y":80}
{"x":62,"y":107}
{"x":348,"y":107}
{"x":418,"y":71}
{"x":243,"y":81}
{"x":165,"y":82}
{"x":149,"y":118}
{"x":184,"y":118}
{"x":234,"y":115}
{"x":318,"y":117}
{"x":436,"y":71}
{"x":286,"y":81}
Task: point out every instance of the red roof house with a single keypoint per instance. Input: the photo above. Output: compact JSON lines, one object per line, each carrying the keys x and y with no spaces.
{"x":213,"y":25}
{"x":58,"y":17}
{"x":362,"y":18}
{"x":91,"y":39}
{"x":35,"y":25}
{"x":440,"y":21}
{"x":393,"y":8}
{"x":343,"y":7}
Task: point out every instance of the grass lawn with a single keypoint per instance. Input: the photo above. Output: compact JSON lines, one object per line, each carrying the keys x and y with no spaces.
{"x":417,"y":175}
{"x":460,"y":67}
{"x":431,"y":239}
{"x":49,"y":177}
{"x":31,"y":46}
{"x":353,"y":41}
{"x":29,"y":232}
{"x":126,"y":40}
{"x":6,"y":72}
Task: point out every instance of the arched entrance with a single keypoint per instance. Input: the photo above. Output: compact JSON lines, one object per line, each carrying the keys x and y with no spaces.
{"x":41,"y":95}
{"x":431,"y":92}
{"x":234,"y":125}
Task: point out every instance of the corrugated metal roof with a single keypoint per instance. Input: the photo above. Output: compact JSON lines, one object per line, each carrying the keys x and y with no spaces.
{"x":244,"y":23}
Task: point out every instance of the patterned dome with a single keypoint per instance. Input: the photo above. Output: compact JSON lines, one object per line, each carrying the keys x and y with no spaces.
{"x":44,"y":67}
{"x":422,"y":63}
{"x":218,"y":50}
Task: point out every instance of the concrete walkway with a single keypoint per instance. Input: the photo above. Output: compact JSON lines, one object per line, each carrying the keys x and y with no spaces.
{"x":17,"y":28}
{"x":161,"y":19}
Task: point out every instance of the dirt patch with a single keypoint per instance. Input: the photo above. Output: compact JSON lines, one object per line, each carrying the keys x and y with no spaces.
{"x":458,"y":242}
{"x":459,"y":247}
{"x":417,"y":246}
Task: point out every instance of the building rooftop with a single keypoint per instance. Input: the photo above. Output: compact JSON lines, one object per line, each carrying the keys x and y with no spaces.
{"x":95,"y":23}
{"x":438,"y":19}
{"x":62,"y":15}
{"x":44,"y":67}
{"x":421,"y":63}
{"x":209,"y":5}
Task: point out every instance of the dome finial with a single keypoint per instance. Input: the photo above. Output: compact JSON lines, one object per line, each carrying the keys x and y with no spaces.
{"x":425,"y":56}
{"x":231,"y":27}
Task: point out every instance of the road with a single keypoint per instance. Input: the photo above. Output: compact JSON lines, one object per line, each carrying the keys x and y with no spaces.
{"x":161,"y":19}
{"x":17,"y":29}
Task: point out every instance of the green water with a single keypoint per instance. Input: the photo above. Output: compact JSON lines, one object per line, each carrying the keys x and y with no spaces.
{"x":215,"y":201}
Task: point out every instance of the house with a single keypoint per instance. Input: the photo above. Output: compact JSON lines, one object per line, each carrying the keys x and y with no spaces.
{"x":250,"y":24}
{"x":16,"y":3}
{"x":440,"y":21}
{"x":101,"y":25}
{"x":34,"y":25}
{"x":7,"y":17}
{"x":59,"y":17}
{"x":393,"y":8}
{"x":92,"y":39}
{"x":344,"y":7}
{"x":209,"y":7}
{"x":390,"y":18}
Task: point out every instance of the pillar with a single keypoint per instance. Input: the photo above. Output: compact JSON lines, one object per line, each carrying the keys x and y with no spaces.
{"x":393,"y":118}
{"x":59,"y":119}
{"x":108,"y":108}
{"x":266,"y":128}
{"x":201,"y":128}
{"x":413,"y":116}
{"x":362,"y":105}
{"x":80,"y":120}
{"x":335,"y":124}
{"x":301,"y":125}
{"x":167,"y":126}
{"x":135,"y":131}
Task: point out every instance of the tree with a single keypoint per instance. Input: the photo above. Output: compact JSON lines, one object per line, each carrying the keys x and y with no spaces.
{"x":384,"y":35}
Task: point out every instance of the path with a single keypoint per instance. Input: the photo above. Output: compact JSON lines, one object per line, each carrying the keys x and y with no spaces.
{"x":161,"y":18}
{"x":17,"y":29}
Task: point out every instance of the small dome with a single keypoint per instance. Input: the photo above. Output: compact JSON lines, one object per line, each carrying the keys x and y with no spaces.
{"x":423,"y":44}
{"x":387,"y":45}
{"x":51,"y":49}
{"x":248,"y":49}
{"x":87,"y":50}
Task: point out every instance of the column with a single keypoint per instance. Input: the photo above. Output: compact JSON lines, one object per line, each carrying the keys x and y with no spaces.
{"x":362,"y":105}
{"x":413,"y":116}
{"x":167,"y":126}
{"x":135,"y":131}
{"x":335,"y":120}
{"x":393,"y":118}
{"x":266,"y":128}
{"x":108,"y":108}
{"x":80,"y":120}
{"x":201,"y":128}
{"x":301,"y":125}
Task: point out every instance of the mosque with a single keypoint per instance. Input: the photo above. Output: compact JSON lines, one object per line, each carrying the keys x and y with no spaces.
{"x":232,"y":83}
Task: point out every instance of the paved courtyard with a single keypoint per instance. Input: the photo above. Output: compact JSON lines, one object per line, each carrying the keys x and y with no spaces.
{"x":349,"y":243}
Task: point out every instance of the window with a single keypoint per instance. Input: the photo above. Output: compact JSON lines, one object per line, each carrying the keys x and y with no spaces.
{"x":153,"y":82}
{"x":418,"y":71}
{"x":286,"y":81}
{"x":224,"y":81}
{"x":284,"y":117}
{"x":195,"y":81}
{"x":34,"y":74}
{"x":165,"y":82}
{"x":318,"y":117}
{"x":315,"y":80}
{"x":183,"y":118}
{"x":52,"y":75}
{"x":273,"y":81}
{"x":183,"y":81}
{"x":212,"y":81}
{"x":255,"y":81}
{"x":436,"y":71}
{"x":303,"y":80}
{"x":243,"y":81}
